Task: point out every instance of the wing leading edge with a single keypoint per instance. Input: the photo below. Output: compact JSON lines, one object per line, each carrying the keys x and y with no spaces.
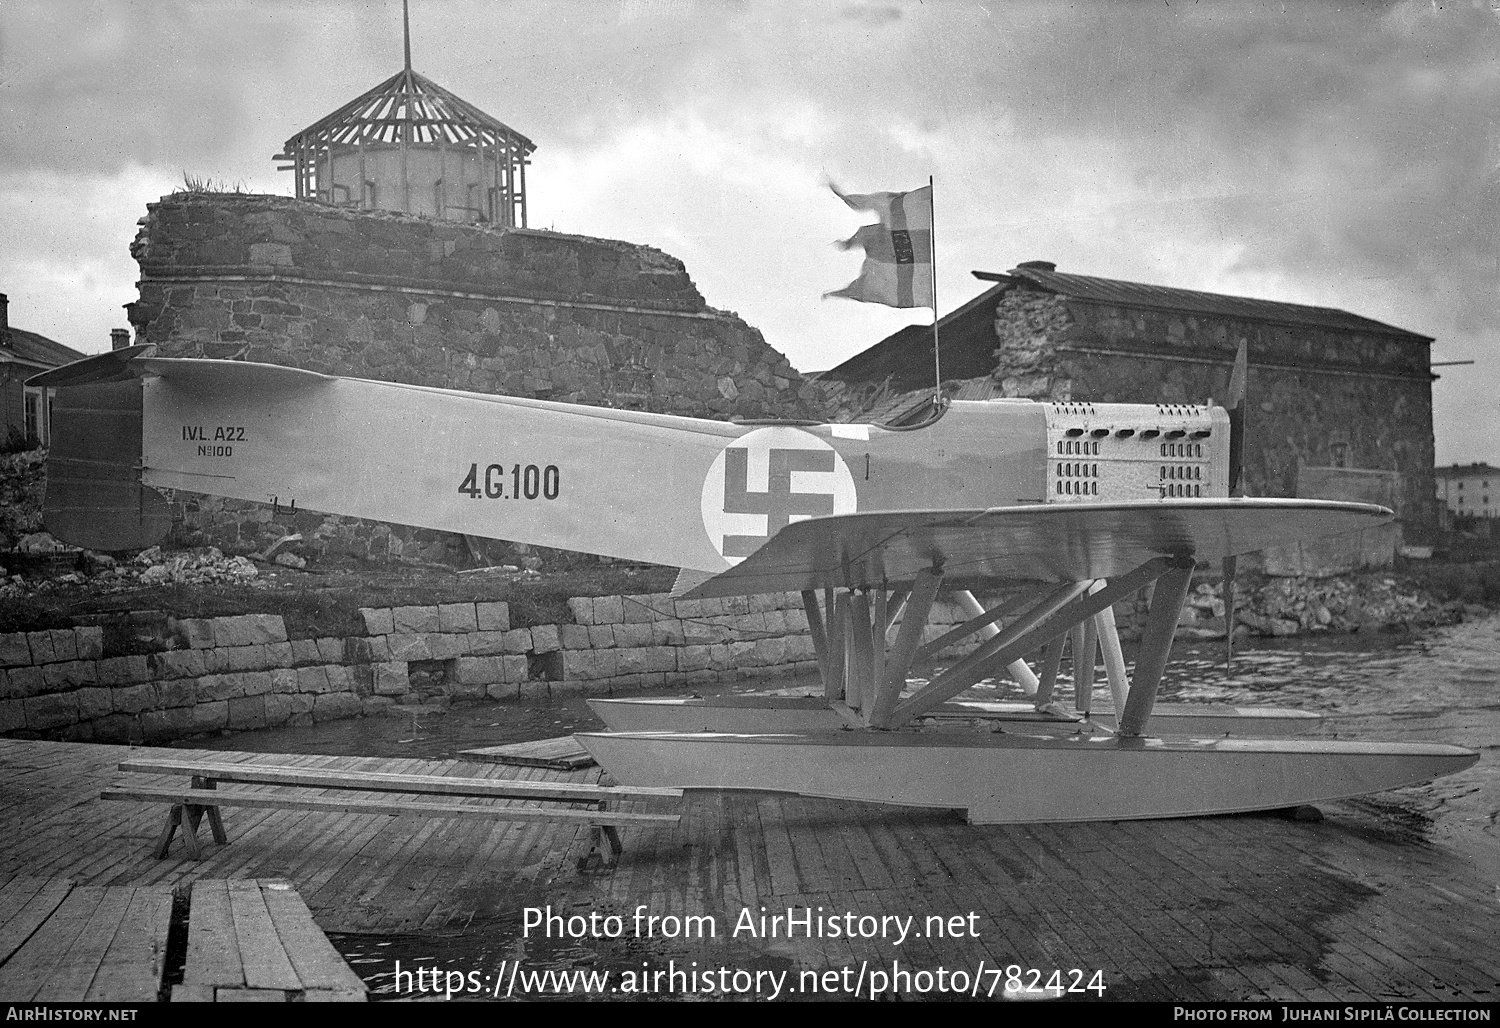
{"x":1037,"y":542}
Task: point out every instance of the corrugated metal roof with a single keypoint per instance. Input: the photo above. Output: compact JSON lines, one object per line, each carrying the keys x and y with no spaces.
{"x":29,"y":348}
{"x":1191,"y":301}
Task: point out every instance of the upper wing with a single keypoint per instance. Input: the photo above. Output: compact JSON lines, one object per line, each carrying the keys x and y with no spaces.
{"x":1043,"y":542}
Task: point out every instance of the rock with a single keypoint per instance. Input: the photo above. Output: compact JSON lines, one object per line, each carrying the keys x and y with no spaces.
{"x":290,"y":560}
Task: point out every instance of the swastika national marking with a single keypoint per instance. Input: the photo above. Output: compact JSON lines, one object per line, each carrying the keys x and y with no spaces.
{"x":767,"y":478}
{"x":778,"y":503}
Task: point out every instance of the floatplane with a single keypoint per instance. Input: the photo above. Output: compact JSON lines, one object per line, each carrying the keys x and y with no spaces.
{"x":1081,"y":504}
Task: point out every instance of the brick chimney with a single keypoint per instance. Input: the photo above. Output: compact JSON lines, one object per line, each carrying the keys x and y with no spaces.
{"x":119,"y":338}
{"x":4,"y":320}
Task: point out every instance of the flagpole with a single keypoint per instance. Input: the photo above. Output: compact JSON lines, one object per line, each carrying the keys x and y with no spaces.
{"x":937,"y":364}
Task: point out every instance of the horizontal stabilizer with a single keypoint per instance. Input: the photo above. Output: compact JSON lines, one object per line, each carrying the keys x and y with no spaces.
{"x":120,"y":365}
{"x":223,"y":375}
{"x":1039,"y":542}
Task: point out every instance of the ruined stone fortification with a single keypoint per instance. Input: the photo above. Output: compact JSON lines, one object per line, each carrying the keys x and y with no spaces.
{"x":387,"y":296}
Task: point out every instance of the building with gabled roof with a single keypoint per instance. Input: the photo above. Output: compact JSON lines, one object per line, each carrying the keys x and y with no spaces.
{"x":1337,"y":403}
{"x":24,"y":409}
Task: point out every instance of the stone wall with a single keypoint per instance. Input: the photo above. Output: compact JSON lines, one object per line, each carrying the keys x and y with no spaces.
{"x":233,"y":673}
{"x":380,"y":295}
{"x":198,"y":676}
{"x":212,"y":674}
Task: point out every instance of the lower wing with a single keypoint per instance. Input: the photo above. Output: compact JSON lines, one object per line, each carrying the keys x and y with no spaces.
{"x":1037,"y":542}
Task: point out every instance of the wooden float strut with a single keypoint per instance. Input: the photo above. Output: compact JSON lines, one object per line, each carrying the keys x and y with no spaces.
{"x":864,"y":670}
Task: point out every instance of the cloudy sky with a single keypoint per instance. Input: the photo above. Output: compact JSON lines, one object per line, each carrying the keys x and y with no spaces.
{"x":1343,"y":155}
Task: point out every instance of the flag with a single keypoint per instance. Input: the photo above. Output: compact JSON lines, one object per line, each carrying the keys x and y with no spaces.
{"x":898,"y":250}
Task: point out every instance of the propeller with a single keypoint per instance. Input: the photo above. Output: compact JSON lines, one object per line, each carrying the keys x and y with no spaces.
{"x":1235,"y":406}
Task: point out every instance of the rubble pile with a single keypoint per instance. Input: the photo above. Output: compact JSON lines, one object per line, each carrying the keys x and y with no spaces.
{"x":1294,"y":606}
{"x":22,"y":477}
{"x":100,"y":573}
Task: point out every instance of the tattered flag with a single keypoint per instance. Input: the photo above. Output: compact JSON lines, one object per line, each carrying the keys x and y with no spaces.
{"x":898,"y":249}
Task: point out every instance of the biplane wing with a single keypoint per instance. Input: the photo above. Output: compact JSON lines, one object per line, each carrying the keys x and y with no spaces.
{"x":1036,"y":542}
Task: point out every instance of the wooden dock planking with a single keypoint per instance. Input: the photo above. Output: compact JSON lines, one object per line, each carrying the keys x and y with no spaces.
{"x":1182,"y":943}
{"x":1218,"y":909}
{"x":1146,"y":952}
{"x":44,"y":953}
{"x":255,"y":941}
{"x":267,"y":965}
{"x":213,"y":954}
{"x":139,"y":942}
{"x":67,"y":943}
{"x":318,"y":966}
{"x":79,"y":958}
{"x":26,"y":902}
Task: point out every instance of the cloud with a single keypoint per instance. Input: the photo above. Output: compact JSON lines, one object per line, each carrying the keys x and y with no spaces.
{"x":1343,"y":156}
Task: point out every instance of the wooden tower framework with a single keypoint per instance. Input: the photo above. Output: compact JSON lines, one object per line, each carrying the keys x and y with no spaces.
{"x":397,"y":147}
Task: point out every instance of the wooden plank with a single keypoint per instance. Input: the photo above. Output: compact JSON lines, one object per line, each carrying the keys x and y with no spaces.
{"x":395,"y":808}
{"x":14,"y":895}
{"x":27,"y":970}
{"x":261,"y":952}
{"x":132,"y":968}
{"x":334,"y":996}
{"x":317,"y":964}
{"x":213,"y":956}
{"x":250,"y":996}
{"x":25,"y":903}
{"x":374,"y":781}
{"x":565,"y":753}
{"x":70,"y":979}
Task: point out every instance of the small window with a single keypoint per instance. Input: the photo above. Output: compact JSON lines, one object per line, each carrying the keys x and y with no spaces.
{"x":33,"y":414}
{"x":38,"y":416}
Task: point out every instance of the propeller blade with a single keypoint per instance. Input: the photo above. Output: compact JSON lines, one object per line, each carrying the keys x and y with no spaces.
{"x":1235,"y":406}
{"x":1229,"y":566}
